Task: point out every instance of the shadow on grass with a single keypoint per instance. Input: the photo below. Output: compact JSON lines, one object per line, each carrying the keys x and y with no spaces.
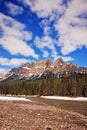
{"x":75,"y":106}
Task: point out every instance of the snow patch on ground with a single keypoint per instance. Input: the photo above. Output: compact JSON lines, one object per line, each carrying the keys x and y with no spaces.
{"x":9,"y":98}
{"x":66,"y":98}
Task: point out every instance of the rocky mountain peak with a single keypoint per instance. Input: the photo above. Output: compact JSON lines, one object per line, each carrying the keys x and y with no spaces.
{"x":13,"y":70}
{"x":59,"y":61}
{"x":44,"y":62}
{"x":27,"y":65}
{"x":44,"y":68}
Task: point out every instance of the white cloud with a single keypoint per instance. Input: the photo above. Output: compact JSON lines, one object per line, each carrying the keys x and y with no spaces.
{"x":14,"y":9}
{"x":44,"y":22}
{"x":15,"y":37}
{"x":44,"y":8}
{"x":27,"y":35}
{"x":70,"y":21}
{"x":14,"y":62}
{"x":46,"y":42}
{"x":17,"y":46}
{"x":67,"y":58}
{"x":11,"y":27}
{"x":2,"y":71}
{"x":72,"y":27}
{"x":47,"y":30}
{"x":45,"y":54}
{"x":45,"y":25}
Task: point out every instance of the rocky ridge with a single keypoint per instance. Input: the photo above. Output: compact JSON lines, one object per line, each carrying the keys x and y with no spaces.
{"x":44,"y":69}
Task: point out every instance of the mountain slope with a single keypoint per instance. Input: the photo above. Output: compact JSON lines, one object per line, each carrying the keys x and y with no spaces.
{"x":44,"y":69}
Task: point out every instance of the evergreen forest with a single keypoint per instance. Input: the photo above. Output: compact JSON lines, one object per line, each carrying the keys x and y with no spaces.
{"x":74,"y":85}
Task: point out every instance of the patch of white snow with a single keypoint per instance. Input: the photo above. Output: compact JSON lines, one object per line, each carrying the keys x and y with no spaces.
{"x":66,"y":98}
{"x":27,"y":68}
{"x":7,"y":98}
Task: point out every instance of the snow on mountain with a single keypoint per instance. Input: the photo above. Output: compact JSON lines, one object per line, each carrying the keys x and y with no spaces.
{"x":27,"y":68}
{"x":44,"y":69}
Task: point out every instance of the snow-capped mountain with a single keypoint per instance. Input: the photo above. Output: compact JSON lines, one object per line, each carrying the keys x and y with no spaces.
{"x":44,"y":69}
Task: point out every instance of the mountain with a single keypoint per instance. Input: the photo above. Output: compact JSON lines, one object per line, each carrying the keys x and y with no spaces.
{"x":44,"y":69}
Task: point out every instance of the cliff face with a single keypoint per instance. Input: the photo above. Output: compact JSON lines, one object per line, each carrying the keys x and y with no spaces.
{"x":44,"y":68}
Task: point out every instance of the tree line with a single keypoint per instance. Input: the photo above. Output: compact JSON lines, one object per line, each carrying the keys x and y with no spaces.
{"x":74,"y":85}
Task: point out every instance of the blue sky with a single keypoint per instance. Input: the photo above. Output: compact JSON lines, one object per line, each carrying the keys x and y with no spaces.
{"x":32,"y":30}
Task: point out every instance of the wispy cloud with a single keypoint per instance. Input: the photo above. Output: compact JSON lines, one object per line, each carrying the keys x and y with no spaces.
{"x":45,"y":8}
{"x":45,"y":25}
{"x":72,"y":27}
{"x":2,"y":71}
{"x":47,"y":30}
{"x":45,"y":54}
{"x":46,"y":42}
{"x":14,"y":62}
{"x":15,"y":37}
{"x":64,"y":26}
{"x":67,"y":58}
{"x":70,"y":21}
{"x":14,"y":9}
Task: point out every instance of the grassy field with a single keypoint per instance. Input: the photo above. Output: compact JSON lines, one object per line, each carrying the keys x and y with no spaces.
{"x":75,"y":106}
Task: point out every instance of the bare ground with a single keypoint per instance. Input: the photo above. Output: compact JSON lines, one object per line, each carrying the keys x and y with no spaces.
{"x":19,"y":115}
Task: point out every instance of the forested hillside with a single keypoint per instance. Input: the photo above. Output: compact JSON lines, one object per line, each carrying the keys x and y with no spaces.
{"x":74,"y":85}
